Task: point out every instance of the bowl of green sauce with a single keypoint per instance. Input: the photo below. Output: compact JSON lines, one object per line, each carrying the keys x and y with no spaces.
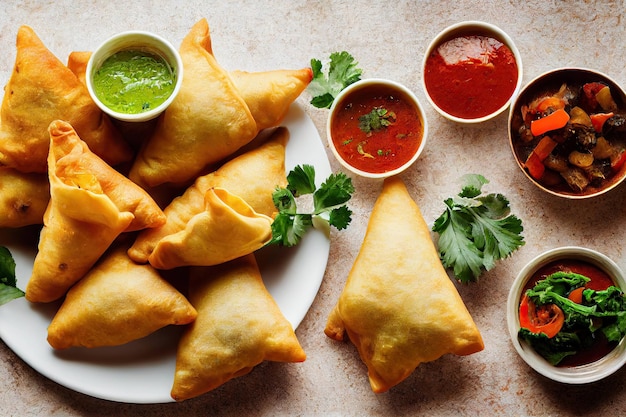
{"x":134,"y":76}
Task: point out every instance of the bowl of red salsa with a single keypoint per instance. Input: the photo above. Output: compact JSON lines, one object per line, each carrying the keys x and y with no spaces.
{"x":471,"y":71}
{"x":564,"y":315}
{"x":376,"y":128}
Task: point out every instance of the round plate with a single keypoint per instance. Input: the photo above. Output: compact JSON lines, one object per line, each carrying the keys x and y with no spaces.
{"x":143,"y":371}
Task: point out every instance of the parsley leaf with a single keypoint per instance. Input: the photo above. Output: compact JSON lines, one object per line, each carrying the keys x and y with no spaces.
{"x":8,"y":282}
{"x":377,"y":119}
{"x":476,"y":230}
{"x":329,"y":206}
{"x":342,"y":72}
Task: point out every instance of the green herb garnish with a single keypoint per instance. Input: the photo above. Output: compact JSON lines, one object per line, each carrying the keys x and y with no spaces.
{"x":8,"y":282}
{"x":329,"y":206}
{"x":476,"y":230}
{"x":377,"y":119}
{"x":342,"y":72}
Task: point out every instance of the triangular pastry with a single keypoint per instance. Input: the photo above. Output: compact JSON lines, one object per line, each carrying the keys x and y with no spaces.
{"x":252,"y":176}
{"x":269,"y":94}
{"x":228,"y":228}
{"x":80,"y":223}
{"x":23,"y":197}
{"x":239,"y":325}
{"x":76,"y":159}
{"x":398,"y":306}
{"x":41,"y":89}
{"x":117,"y":302}
{"x":207,"y":121}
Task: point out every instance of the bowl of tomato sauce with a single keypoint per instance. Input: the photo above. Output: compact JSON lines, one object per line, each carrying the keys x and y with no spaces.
{"x":377,"y":128}
{"x":567,"y":132}
{"x":471,"y":71}
{"x":563,"y":315}
{"x":134,"y":76}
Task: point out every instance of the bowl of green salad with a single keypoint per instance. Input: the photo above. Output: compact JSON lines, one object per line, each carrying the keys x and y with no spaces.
{"x":566,"y":314}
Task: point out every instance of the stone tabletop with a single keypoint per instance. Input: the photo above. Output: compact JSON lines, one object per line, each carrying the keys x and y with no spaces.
{"x":388,"y":39}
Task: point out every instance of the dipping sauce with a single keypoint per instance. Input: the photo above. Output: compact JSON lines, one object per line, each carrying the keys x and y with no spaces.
{"x":599,"y":280}
{"x":134,"y":81}
{"x":470,"y":77}
{"x":376,"y":129}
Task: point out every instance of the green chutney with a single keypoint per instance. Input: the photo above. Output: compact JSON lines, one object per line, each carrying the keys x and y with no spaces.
{"x":134,"y":81}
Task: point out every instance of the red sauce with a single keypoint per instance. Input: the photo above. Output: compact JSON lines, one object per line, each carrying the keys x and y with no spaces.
{"x":471,"y":76}
{"x":600,"y":280}
{"x":381,"y":150}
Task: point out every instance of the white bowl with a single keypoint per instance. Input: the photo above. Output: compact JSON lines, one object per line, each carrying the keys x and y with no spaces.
{"x":139,"y":40}
{"x":571,"y":375}
{"x":374,"y":83}
{"x":468,"y":28}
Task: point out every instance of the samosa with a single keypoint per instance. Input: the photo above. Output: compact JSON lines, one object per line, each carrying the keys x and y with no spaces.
{"x":207,"y":121}
{"x":23,"y":197}
{"x":398,"y":306}
{"x":41,"y":89}
{"x":239,"y":325}
{"x":118,"y":301}
{"x":252,"y":176}
{"x":228,"y":228}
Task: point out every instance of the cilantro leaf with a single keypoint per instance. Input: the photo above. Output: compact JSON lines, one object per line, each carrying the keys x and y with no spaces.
{"x":342,"y":72}
{"x":476,"y":230}
{"x":8,"y":282}
{"x":329,"y":206}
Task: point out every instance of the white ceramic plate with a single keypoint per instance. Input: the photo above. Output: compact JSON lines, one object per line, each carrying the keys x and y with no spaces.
{"x":143,"y":371}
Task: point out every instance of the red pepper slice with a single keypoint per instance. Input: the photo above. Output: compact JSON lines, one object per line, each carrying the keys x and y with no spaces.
{"x":547,"y":319}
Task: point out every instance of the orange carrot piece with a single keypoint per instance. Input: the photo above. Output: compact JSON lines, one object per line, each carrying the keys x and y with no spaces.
{"x":598,"y":119}
{"x":545,"y":146}
{"x":535,"y":166}
{"x":577,"y":295}
{"x":553,"y":121}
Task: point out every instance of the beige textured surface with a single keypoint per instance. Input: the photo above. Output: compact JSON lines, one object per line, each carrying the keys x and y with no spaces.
{"x":388,"y":39}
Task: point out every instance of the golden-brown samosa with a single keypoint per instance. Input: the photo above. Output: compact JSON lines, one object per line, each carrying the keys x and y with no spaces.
{"x":252,"y":176}
{"x":80,"y":223}
{"x":41,"y":89}
{"x":23,"y":197}
{"x":207,"y":121}
{"x":269,"y":94}
{"x":239,"y":325}
{"x":117,"y":302}
{"x":74,"y":159}
{"x":398,"y":306}
{"x":228,"y":228}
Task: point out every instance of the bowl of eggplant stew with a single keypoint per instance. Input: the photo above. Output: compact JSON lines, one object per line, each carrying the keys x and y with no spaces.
{"x":567,"y":131}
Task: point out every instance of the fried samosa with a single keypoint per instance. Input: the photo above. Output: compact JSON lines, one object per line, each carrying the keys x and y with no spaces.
{"x":75,"y":160}
{"x":41,"y":89}
{"x":80,"y":223}
{"x":23,"y":198}
{"x":398,"y":306}
{"x":269,"y":94}
{"x":239,"y":325}
{"x":117,"y":302}
{"x":207,"y":121}
{"x":228,"y":228}
{"x":252,"y":176}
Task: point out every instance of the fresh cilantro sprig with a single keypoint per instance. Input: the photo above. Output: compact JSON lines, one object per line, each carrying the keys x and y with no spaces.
{"x":377,"y":119}
{"x":476,"y":230}
{"x":342,"y":72}
{"x":8,"y":282}
{"x":329,"y":206}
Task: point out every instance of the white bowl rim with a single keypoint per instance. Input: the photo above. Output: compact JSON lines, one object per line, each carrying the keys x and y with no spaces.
{"x":583,"y":374}
{"x":150,"y":114}
{"x":504,"y":37}
{"x":519,"y":96}
{"x":362,"y":84}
